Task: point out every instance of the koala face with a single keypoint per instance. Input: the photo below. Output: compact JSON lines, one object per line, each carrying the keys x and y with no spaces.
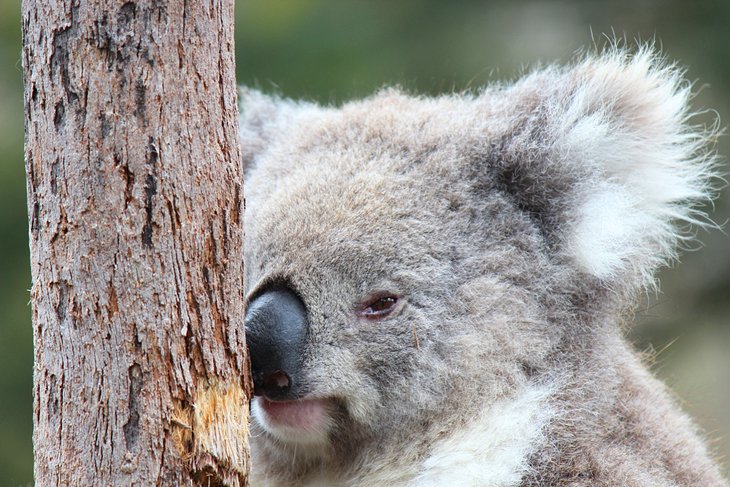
{"x":401,"y":264}
{"x":413,"y":263}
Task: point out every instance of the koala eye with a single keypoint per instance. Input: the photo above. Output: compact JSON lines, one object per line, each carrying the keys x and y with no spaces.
{"x":379,"y":306}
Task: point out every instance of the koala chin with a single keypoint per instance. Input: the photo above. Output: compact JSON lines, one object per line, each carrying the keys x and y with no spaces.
{"x":437,"y":288}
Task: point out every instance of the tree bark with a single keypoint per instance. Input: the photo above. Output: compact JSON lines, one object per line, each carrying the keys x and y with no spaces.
{"x":135,"y":204}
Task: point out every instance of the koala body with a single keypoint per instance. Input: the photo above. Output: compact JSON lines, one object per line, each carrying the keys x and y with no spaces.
{"x":437,"y":286}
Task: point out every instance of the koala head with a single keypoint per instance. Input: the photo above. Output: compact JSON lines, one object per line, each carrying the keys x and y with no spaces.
{"x":410,"y":261}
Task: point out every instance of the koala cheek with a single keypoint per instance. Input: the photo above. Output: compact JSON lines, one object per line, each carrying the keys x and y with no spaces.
{"x":339,"y":372}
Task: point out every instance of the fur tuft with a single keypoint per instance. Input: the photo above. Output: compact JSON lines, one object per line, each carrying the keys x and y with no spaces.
{"x":263,"y":117}
{"x":627,"y":118}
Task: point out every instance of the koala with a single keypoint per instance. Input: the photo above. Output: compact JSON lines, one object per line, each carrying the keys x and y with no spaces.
{"x":438,"y":288}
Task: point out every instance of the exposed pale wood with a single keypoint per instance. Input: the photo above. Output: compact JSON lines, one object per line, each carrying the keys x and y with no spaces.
{"x":135,"y":200}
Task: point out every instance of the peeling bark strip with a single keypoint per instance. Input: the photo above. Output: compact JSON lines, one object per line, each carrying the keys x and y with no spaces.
{"x":134,"y":197}
{"x":212,"y":433}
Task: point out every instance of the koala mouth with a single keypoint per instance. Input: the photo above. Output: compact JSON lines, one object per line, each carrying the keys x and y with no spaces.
{"x":304,"y":414}
{"x":299,"y":421}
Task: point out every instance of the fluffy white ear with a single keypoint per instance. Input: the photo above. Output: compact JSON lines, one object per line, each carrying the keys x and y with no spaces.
{"x":621,"y":128}
{"x":629,"y":120}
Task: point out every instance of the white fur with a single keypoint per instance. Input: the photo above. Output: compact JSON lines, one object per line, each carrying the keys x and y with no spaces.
{"x":493,"y":451}
{"x":607,"y":222}
{"x":628,"y":121}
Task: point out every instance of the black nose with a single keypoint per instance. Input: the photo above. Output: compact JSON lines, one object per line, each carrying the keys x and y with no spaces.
{"x":276,"y":331}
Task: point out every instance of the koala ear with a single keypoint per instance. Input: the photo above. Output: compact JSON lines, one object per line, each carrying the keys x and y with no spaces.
{"x":263,"y":118}
{"x":622,"y":165}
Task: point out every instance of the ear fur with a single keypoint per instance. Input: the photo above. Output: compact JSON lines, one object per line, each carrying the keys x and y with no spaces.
{"x":616,"y":126}
{"x":263,"y":118}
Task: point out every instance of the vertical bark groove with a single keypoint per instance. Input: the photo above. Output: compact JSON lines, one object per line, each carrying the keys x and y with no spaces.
{"x":134,"y":201}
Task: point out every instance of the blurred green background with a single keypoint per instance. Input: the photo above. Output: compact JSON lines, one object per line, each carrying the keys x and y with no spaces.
{"x":333,"y":50}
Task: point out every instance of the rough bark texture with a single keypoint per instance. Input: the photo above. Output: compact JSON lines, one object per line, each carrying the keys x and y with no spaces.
{"x":134,"y":201}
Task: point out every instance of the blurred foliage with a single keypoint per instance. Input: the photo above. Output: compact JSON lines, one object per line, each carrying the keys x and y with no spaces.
{"x":331,"y":51}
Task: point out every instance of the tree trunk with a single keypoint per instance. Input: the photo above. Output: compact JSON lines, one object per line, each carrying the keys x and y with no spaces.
{"x":135,"y":200}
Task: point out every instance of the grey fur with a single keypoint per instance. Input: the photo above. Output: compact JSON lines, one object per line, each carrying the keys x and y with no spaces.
{"x":485,"y":213}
